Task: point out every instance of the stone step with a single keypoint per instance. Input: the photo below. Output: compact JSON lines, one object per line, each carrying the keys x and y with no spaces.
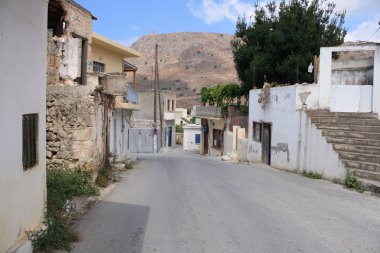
{"x":359,"y":157}
{"x":351,"y":134}
{"x":357,"y":148}
{"x":371,"y":185}
{"x":375,"y":176}
{"x":353,"y":141}
{"x":367,"y":166}
{"x":324,"y":113}
{"x":347,"y":121}
{"x":367,"y":129}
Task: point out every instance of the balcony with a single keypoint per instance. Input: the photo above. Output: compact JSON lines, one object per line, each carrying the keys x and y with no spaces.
{"x":208,"y":112}
{"x":128,"y":101}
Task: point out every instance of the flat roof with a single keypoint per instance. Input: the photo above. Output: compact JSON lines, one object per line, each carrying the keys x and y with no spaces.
{"x":109,"y":44}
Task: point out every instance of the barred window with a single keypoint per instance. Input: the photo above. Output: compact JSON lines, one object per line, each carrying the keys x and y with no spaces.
{"x":98,"y":67}
{"x":29,"y":140}
{"x":257,"y":131}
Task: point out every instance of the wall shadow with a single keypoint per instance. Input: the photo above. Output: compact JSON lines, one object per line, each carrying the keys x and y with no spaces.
{"x":113,"y":227}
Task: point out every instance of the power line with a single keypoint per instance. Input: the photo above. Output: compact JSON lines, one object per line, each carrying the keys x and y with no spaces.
{"x":374,"y":33}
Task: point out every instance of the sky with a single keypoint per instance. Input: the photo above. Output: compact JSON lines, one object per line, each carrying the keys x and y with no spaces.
{"x":125,"y":21}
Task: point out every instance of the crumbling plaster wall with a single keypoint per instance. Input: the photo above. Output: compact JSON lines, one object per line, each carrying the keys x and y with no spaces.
{"x":64,"y":53}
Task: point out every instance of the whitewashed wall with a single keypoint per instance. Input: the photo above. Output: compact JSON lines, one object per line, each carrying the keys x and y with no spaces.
{"x":22,"y":91}
{"x":189,"y":133}
{"x":296,"y":144}
{"x":316,"y":154}
{"x":281,"y":113}
{"x":348,"y":98}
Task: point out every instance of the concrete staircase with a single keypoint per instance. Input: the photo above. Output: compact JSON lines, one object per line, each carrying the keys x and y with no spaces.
{"x":356,"y":139}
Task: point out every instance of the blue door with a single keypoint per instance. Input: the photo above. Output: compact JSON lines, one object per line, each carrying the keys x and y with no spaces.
{"x":170,"y":137}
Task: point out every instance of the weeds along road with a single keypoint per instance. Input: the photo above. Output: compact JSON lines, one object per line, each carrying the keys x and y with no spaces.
{"x":183,"y":202}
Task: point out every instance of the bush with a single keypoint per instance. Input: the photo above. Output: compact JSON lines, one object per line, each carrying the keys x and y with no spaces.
{"x":62,"y":185}
{"x":178,"y":129}
{"x":128,"y":166}
{"x":353,"y":183}
{"x":104,"y":173}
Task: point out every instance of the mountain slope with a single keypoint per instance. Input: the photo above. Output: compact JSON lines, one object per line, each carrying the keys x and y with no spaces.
{"x":187,"y":62}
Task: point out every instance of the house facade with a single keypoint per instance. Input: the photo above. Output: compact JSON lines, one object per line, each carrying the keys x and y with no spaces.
{"x":89,"y":96}
{"x":23,"y":110}
{"x":192,"y":137}
{"x":330,"y":127}
{"x":213,"y":126}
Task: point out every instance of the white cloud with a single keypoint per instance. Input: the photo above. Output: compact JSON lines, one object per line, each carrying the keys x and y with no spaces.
{"x":365,"y":31}
{"x":358,"y":7}
{"x":128,"y":41}
{"x":212,"y":11}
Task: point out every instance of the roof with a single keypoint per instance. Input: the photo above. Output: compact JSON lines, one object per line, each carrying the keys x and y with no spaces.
{"x":104,"y":42}
{"x":129,"y":67}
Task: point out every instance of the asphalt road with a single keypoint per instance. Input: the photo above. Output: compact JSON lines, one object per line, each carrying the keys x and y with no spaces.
{"x":183,"y":202}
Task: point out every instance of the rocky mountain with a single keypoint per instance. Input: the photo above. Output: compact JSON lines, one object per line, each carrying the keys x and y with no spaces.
{"x":187,"y":62}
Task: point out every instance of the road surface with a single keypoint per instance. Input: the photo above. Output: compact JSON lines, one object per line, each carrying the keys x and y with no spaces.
{"x":182,"y":202}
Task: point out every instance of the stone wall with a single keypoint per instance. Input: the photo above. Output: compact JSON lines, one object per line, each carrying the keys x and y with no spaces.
{"x":71,"y":126}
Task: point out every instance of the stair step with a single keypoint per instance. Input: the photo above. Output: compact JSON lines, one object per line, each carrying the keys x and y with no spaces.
{"x":353,"y":141}
{"x":351,"y":134}
{"x":357,"y":148}
{"x":348,"y":121}
{"x":367,"y":129}
{"x":324,"y":113}
{"x":368,"y":166}
{"x":371,"y":185}
{"x":375,"y":176}
{"x":359,"y":157}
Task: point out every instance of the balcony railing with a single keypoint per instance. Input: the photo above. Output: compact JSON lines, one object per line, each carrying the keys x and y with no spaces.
{"x":208,"y":111}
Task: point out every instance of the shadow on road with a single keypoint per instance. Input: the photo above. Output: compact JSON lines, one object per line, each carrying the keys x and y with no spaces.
{"x":113,"y":227}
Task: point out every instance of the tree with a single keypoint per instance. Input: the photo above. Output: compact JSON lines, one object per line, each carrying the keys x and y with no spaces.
{"x":222,"y":95}
{"x":282,"y":39}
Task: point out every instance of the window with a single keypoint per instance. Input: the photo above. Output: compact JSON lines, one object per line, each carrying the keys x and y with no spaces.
{"x":29,"y":140}
{"x":173,"y":105}
{"x":98,"y":67}
{"x":257,"y":131}
{"x":217,"y":138}
{"x":168,"y":105}
{"x":197,"y":138}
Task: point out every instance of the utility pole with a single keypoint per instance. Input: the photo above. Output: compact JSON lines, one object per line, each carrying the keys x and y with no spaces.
{"x":160,"y":107}
{"x":155,"y":102}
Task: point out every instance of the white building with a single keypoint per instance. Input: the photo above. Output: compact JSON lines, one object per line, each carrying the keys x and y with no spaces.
{"x":330,"y":127}
{"x":192,"y":137}
{"x":23,"y":109}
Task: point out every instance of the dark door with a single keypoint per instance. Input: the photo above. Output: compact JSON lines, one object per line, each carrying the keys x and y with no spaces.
{"x":266,"y":143}
{"x":170,"y":137}
{"x":204,"y":124}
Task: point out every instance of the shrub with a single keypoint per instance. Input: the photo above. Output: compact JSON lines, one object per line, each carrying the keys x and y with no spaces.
{"x":62,"y":186}
{"x":353,"y":183}
{"x":104,"y":173}
{"x":128,"y":166}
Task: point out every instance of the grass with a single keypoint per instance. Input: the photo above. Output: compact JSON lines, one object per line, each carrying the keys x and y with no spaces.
{"x":62,"y":186}
{"x":312,"y":175}
{"x":353,"y":183}
{"x":104,"y":173}
{"x":128,"y":166}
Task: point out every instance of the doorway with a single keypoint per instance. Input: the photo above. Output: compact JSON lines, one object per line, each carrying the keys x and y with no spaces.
{"x":170,"y":137}
{"x":266,"y":143}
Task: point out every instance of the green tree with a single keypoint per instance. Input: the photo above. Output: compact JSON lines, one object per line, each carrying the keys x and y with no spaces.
{"x":281,"y":41}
